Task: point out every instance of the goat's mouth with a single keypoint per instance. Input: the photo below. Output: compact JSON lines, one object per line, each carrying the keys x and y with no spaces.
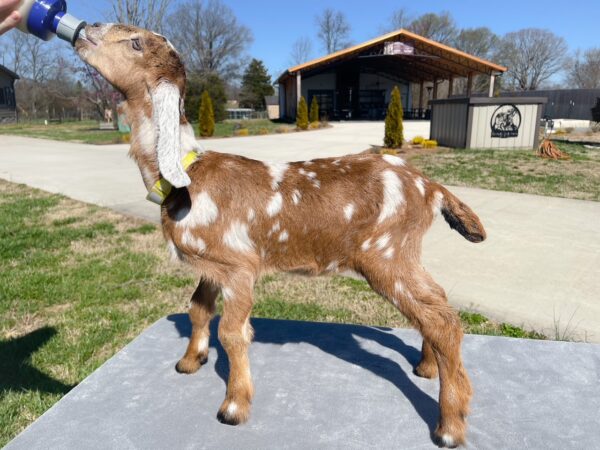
{"x":85,"y":39}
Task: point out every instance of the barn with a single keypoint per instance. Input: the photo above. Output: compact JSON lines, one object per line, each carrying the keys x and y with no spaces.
{"x":356,"y":83}
{"x":8,"y":104}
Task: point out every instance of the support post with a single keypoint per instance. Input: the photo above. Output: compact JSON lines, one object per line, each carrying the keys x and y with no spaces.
{"x":435,"y":88}
{"x":421,"y":95}
{"x":298,"y":87}
{"x":451,"y":87}
{"x":469,"y":84}
{"x":492,"y":82}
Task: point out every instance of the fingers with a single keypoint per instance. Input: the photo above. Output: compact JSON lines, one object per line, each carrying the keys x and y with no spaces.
{"x":10,"y":22}
{"x":8,"y":17}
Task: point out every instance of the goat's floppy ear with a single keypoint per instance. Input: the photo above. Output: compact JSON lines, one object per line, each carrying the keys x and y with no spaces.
{"x":165,"y":105}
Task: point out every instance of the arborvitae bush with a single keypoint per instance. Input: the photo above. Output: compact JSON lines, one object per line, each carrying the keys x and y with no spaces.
{"x":393,"y":122}
{"x":206,"y":116}
{"x":314,"y":110}
{"x":302,"y":114}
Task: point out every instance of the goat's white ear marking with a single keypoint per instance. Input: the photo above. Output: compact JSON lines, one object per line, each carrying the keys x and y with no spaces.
{"x":165,"y":106}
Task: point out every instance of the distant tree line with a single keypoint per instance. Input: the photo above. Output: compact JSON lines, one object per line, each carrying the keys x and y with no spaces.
{"x":535,"y":57}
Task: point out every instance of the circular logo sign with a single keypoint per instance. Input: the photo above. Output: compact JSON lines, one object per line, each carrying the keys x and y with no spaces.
{"x":506,"y":121}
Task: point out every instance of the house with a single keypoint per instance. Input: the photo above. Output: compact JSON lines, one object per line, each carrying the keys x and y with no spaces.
{"x":356,"y":83}
{"x":8,"y":104}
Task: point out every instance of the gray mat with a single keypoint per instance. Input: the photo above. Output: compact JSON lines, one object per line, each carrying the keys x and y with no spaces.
{"x":326,"y":386}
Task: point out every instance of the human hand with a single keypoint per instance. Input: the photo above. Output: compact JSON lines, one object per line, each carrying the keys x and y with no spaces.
{"x":9,"y":16}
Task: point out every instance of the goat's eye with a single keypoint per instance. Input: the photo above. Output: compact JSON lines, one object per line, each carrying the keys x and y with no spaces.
{"x":136,"y":45}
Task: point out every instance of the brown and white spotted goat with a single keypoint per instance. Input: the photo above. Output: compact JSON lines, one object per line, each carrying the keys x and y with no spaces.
{"x":232,"y":219}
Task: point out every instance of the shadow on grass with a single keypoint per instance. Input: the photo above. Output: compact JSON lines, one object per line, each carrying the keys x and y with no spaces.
{"x":338,"y":340}
{"x":16,"y":372}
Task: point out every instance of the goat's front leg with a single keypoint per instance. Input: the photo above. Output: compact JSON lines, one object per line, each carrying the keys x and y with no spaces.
{"x":235,"y":334}
{"x":202,"y":308}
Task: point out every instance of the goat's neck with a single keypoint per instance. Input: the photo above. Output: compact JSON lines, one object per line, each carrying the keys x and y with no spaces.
{"x":143,"y":147}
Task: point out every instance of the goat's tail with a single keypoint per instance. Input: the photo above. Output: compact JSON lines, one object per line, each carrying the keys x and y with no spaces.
{"x":460,"y":217}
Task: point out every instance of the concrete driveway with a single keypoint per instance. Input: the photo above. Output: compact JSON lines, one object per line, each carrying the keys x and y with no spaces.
{"x":540,"y":267}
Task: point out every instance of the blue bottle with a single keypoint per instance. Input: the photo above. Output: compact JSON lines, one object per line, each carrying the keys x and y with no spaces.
{"x":46,"y":18}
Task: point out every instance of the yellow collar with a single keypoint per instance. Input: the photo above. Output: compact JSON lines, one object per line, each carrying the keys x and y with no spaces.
{"x":162,"y":188}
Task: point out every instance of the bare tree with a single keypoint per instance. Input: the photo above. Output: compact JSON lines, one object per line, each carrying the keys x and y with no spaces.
{"x":438,"y":27}
{"x":583,"y":71}
{"x":148,"y":14}
{"x":480,"y":42}
{"x":532,"y":56}
{"x":209,"y":37}
{"x":301,"y":51}
{"x":399,"y":19}
{"x":334,"y":30}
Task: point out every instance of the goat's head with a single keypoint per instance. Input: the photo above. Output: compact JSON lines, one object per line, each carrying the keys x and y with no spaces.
{"x":147,"y":70}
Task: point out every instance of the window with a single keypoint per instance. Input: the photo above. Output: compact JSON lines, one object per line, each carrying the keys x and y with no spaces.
{"x":9,"y":96}
{"x":325,"y":101}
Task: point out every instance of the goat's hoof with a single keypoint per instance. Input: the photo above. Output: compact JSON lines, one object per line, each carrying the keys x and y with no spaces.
{"x":426,"y":370}
{"x":233,"y":413}
{"x":444,"y":438}
{"x":191,"y":365}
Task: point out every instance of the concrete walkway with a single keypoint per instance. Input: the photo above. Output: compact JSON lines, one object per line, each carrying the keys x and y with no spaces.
{"x":539,"y":268}
{"x":326,"y":386}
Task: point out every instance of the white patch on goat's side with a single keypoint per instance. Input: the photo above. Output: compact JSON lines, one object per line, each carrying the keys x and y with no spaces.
{"x":275,"y":204}
{"x":274,"y":229}
{"x":166,"y":113}
{"x":227,"y":293}
{"x":174,"y":251}
{"x":251,"y":214}
{"x":333,"y":266}
{"x":311,"y":175}
{"x":336,"y":162}
{"x":277,"y":171}
{"x":296,"y":196}
{"x":202,"y":345}
{"x":383,"y":241}
{"x":301,"y":171}
{"x":389,"y":253}
{"x":196,"y":243}
{"x":392,"y":194}
{"x":349,"y":211}
{"x":399,"y":287}
{"x":420,"y":184}
{"x":394,"y":160}
{"x":283,"y":236}
{"x":204,"y":212}
{"x":316,"y":184}
{"x":436,"y":205}
{"x":232,"y":408}
{"x":366,"y":245}
{"x":307,"y":163}
{"x":237,"y":238}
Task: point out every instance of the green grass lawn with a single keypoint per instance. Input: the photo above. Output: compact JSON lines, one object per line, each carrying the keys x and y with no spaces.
{"x":78,"y":282}
{"x":88,"y":132}
{"x":85,"y":131}
{"x":516,"y":170}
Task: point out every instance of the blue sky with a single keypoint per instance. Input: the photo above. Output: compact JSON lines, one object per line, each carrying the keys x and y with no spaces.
{"x":277,"y":24}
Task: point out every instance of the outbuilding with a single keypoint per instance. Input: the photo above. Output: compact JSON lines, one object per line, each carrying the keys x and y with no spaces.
{"x":8,"y":104}
{"x":356,"y":83}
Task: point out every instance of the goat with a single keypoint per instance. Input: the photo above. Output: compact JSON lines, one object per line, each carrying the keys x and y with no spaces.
{"x":232,"y":219}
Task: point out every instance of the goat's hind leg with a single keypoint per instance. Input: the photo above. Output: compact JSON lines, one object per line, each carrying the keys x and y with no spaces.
{"x":202,"y":308}
{"x":424,"y":303}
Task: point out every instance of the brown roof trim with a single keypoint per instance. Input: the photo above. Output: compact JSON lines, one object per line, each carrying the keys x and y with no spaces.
{"x":10,"y":72}
{"x":399,"y":33}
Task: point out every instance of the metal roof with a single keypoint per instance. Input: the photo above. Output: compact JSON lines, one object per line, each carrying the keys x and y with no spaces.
{"x":440,"y":59}
{"x":9,"y":72}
